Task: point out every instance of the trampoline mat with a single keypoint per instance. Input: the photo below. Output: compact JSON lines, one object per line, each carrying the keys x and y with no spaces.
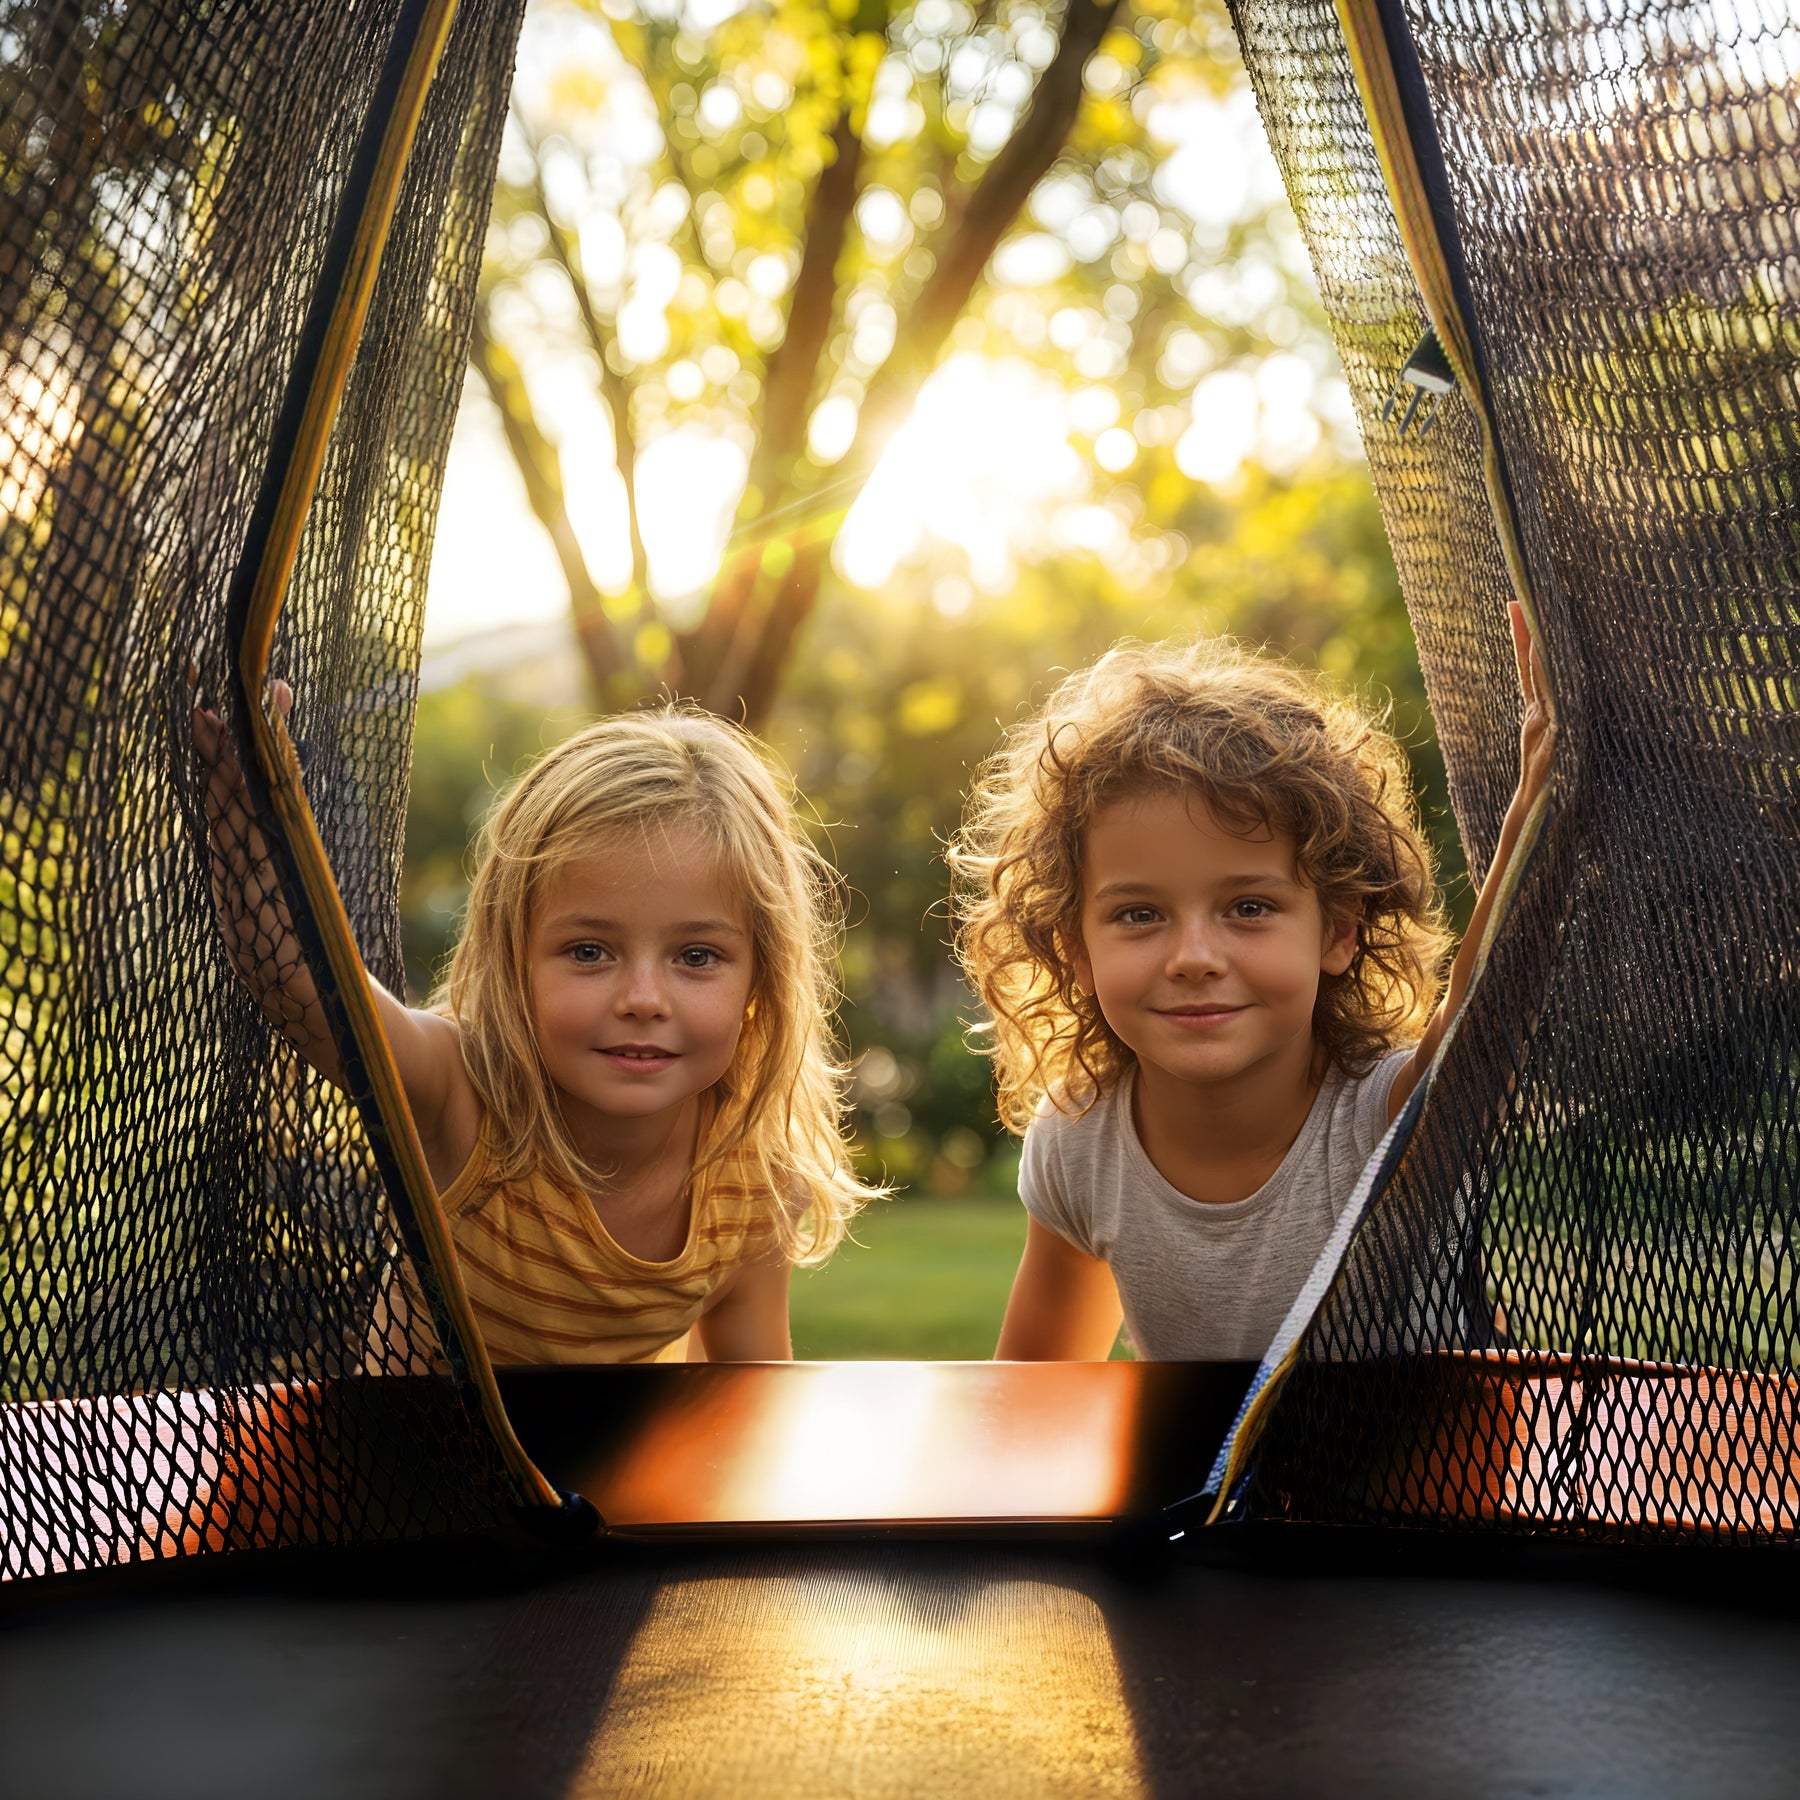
{"x":907,"y":1669}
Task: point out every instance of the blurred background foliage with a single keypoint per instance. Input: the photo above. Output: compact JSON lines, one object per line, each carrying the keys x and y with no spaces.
{"x":861,"y":385}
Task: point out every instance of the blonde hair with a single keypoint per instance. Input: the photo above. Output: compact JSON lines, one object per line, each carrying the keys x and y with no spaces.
{"x":1266,"y":747}
{"x":781,"y":1102}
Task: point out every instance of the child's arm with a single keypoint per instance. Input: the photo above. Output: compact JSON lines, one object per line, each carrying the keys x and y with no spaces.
{"x":748,"y":1322}
{"x":1537,"y":745}
{"x":259,"y":934}
{"x":1064,"y":1305}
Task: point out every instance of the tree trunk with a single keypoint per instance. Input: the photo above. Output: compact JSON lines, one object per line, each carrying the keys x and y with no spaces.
{"x":766,"y":612}
{"x":540,"y":467}
{"x":792,"y":606}
{"x":734,"y":660}
{"x":714,"y":656}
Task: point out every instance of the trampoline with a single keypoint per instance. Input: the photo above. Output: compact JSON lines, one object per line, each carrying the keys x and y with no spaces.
{"x":839,"y":1628}
{"x":1557,"y":1328}
{"x":908,"y":1659}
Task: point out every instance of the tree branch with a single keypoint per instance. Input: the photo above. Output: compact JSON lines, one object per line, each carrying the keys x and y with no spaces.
{"x":710,"y":652}
{"x":615,"y":390}
{"x":765,"y":628}
{"x":983,"y":220}
{"x":540,"y":467}
{"x":791,"y":373}
{"x":633,"y":44}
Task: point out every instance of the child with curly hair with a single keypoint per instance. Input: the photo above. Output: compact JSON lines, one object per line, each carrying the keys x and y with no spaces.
{"x":1197,"y":903}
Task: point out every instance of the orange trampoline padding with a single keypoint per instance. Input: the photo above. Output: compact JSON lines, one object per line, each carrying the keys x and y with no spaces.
{"x":260,"y":1468}
{"x":704,"y":1447}
{"x":1521,"y":1438}
{"x":1517,"y":1440}
{"x":657,"y":1448}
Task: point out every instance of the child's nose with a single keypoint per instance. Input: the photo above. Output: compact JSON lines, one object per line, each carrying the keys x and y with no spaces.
{"x":1196,"y":950}
{"x":643,"y":992}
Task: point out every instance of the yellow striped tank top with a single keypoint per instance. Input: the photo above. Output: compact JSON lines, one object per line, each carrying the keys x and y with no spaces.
{"x":549,"y":1285}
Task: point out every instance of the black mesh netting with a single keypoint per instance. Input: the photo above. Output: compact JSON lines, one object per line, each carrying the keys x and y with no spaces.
{"x":194,"y":1242}
{"x":1574,"y":1306}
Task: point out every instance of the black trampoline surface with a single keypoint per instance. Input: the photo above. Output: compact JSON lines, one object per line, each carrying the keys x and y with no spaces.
{"x":915,"y":1668}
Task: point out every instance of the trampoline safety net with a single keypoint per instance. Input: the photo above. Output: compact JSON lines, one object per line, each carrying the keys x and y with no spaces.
{"x":1572,"y":1305}
{"x":195,"y":1240}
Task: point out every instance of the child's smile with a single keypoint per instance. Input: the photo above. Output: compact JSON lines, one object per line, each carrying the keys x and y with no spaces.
{"x":640,"y":1059}
{"x":1201,"y":1018}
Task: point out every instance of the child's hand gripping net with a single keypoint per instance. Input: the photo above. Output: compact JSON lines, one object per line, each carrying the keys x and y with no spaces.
{"x":253,"y":914}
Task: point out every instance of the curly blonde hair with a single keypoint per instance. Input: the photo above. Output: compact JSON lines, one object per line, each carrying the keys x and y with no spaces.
{"x":782,"y":1100}
{"x":1266,"y":747}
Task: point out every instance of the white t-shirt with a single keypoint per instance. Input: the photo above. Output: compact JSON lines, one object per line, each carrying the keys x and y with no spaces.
{"x":1202,"y":1282}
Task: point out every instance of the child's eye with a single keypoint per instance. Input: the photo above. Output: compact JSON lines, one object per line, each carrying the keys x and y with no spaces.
{"x":1252,"y":909}
{"x":587,"y":956}
{"x":699,"y":956}
{"x":1136,"y":915}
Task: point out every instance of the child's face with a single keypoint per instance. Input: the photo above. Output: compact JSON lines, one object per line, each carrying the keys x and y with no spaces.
{"x":641,"y":969}
{"x":1200,"y":944}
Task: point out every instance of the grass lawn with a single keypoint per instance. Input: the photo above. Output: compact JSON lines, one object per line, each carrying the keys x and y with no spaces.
{"x":927,"y":1280}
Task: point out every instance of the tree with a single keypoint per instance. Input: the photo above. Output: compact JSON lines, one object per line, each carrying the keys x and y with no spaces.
{"x":776,"y":227}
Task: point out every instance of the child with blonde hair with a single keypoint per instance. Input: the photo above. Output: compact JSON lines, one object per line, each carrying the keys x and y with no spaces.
{"x":625,"y":1085}
{"x":1197,"y":903}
